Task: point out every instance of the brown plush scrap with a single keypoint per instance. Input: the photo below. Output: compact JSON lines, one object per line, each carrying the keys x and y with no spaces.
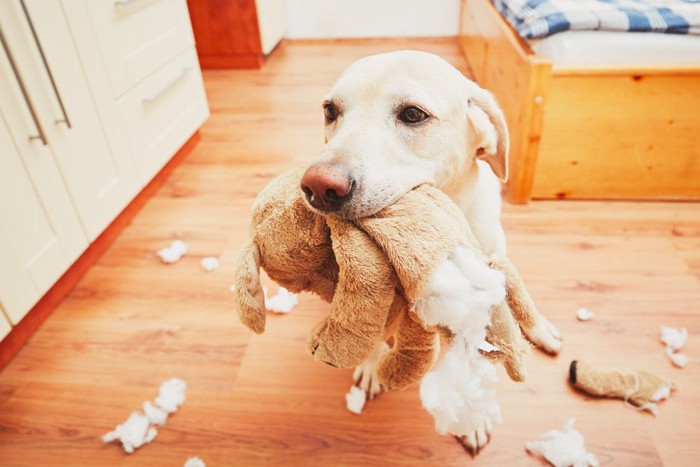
{"x":639,"y":388}
{"x":372,"y":270}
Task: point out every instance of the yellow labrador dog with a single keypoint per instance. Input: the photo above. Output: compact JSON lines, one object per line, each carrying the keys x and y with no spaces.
{"x":397,"y":120}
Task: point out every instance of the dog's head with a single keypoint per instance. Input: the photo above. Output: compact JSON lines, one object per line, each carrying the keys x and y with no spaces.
{"x":398,"y":120}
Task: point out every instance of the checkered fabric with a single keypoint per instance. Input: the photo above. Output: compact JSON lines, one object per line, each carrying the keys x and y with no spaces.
{"x":535,"y":19}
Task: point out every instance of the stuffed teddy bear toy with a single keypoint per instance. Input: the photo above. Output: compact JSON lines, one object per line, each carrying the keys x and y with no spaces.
{"x":376,"y":272}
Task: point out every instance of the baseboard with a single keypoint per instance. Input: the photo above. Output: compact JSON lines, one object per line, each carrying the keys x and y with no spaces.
{"x":19,"y":334}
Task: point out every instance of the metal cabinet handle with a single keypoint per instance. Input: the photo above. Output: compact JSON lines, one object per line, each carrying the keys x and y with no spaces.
{"x":27,"y":100}
{"x":65,"y":119}
{"x":166,"y":88}
{"x":119,"y":3}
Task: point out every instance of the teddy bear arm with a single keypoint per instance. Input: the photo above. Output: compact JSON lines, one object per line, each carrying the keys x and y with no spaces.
{"x":250,"y":298}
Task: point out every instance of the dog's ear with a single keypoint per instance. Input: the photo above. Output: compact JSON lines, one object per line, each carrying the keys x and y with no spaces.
{"x":488,"y":130}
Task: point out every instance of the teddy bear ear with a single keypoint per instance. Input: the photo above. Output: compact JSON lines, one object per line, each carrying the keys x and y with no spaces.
{"x":250,"y":298}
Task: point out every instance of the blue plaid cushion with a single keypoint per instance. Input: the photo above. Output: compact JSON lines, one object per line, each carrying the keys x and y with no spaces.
{"x":541,"y":18}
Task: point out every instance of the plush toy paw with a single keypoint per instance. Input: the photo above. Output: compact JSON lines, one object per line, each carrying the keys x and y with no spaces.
{"x":337,"y":346}
{"x":398,"y":369}
{"x":477,"y":440}
{"x":365,"y":375}
{"x":544,"y":335}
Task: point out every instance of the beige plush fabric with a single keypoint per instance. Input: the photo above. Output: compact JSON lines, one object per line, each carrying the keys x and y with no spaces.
{"x":640,"y":388}
{"x":372,"y":270}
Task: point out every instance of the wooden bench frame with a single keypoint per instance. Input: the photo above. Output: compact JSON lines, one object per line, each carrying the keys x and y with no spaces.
{"x":583,"y":131}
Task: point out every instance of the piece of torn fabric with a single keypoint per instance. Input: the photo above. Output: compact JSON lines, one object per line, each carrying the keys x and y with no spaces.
{"x":133,"y":433}
{"x":583,"y":314}
{"x":563,"y":448}
{"x":171,"y":395}
{"x":174,"y":252}
{"x":640,"y":389}
{"x":195,"y":462}
{"x":210,"y":263}
{"x":355,"y":400}
{"x":282,"y":302}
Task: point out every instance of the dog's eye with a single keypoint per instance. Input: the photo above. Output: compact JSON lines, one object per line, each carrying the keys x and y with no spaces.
{"x":412,"y":115}
{"x":330,"y":112}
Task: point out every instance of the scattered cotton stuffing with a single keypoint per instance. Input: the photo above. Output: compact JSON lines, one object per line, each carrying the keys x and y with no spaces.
{"x":282,"y":302}
{"x":678,"y":359}
{"x":584,"y":314}
{"x":195,"y":462}
{"x":460,"y":296}
{"x":174,"y":252}
{"x":674,"y":339}
{"x":355,"y":400}
{"x":137,"y":430}
{"x":563,"y":448}
{"x":155,"y":415}
{"x":210,"y":263}
{"x":133,"y":433}
{"x":171,"y":395}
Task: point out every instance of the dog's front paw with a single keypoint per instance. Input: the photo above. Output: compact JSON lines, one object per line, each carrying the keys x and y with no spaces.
{"x":365,"y":375}
{"x":477,"y":440}
{"x":336,"y":346}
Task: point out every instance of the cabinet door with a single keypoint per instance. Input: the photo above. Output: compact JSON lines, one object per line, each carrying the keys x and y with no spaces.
{"x":4,"y":325}
{"x":40,"y":235}
{"x":136,"y":37}
{"x":99,"y":182}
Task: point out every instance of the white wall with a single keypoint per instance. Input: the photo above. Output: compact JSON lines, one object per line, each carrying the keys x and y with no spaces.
{"x":371,"y":18}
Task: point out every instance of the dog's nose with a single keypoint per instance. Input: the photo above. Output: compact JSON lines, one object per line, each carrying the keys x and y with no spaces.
{"x":327,"y":186}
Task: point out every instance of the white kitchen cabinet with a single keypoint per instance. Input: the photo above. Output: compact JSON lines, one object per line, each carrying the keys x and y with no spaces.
{"x":98,"y":181}
{"x":160,"y":113}
{"x":40,"y":234}
{"x":96,"y":96}
{"x":4,"y":326}
{"x":136,"y":37}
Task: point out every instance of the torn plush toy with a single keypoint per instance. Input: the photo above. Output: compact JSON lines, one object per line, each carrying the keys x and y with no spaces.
{"x":640,"y":389}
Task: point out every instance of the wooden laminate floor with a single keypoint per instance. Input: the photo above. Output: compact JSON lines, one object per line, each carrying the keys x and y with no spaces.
{"x":133,"y":322}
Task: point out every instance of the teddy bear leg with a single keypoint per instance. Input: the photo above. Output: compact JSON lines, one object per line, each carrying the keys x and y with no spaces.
{"x":535,"y":326}
{"x":414,"y":352}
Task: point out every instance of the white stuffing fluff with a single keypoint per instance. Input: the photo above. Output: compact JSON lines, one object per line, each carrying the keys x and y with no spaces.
{"x":664,"y":392}
{"x":210,"y":263}
{"x":455,"y":391}
{"x":584,"y":314}
{"x":174,"y":252}
{"x":137,"y":430}
{"x":678,"y":359}
{"x":563,"y":448}
{"x":133,"y":433}
{"x":460,"y":296}
{"x":355,"y":400}
{"x":171,"y":395}
{"x":675,"y":340}
{"x":155,"y":415}
{"x":282,"y":302}
{"x":195,"y":462}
